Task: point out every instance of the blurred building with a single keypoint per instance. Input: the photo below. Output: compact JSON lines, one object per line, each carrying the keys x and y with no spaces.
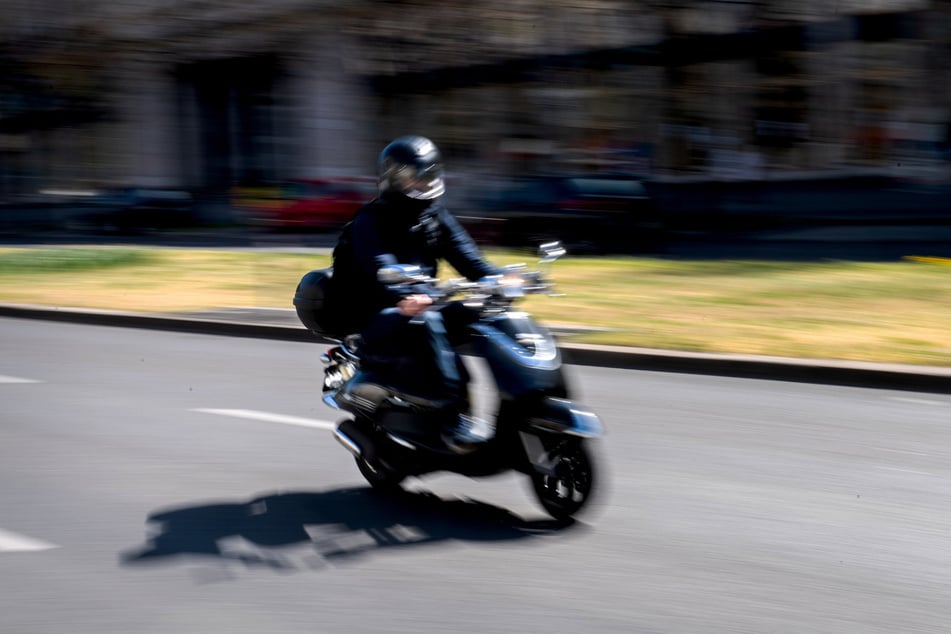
{"x":207,"y":95}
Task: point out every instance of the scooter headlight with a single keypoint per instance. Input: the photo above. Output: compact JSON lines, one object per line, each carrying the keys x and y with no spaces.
{"x":529,"y":341}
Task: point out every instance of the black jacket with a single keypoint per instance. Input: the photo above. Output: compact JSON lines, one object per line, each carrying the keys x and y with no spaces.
{"x":413,"y":232}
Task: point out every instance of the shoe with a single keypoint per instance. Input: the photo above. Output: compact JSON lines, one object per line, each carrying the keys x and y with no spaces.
{"x":468,"y":434}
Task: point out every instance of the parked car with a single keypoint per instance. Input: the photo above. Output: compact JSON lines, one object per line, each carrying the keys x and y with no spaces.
{"x":136,"y":209}
{"x":596,"y":213}
{"x":314,"y":204}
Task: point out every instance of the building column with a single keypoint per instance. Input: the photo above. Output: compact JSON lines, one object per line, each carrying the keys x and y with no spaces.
{"x":145,"y":140}
{"x":333,"y":106}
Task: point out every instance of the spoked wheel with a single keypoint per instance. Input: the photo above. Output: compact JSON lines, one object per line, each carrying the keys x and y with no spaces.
{"x":569,"y":489}
{"x":380,"y":477}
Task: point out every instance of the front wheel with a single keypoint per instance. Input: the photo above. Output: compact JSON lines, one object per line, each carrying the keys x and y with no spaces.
{"x":570,"y":485}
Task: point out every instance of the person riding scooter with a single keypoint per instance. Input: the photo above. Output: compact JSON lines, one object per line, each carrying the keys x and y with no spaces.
{"x":404,"y":341}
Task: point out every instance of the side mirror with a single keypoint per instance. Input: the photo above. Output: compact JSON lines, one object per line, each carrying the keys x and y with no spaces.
{"x":550,"y":251}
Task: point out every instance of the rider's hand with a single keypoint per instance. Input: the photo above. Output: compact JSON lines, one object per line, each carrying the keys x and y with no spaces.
{"x":412,"y":305}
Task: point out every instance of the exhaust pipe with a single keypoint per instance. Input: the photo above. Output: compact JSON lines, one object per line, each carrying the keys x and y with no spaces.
{"x":348,"y":443}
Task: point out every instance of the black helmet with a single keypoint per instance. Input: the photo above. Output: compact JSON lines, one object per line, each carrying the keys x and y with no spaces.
{"x":412,"y":166}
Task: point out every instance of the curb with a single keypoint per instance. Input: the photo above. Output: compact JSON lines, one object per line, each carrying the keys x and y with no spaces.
{"x":829,"y":372}
{"x":821,"y":371}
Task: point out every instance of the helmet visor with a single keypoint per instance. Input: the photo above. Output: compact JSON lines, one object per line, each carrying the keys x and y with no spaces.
{"x":423,"y":185}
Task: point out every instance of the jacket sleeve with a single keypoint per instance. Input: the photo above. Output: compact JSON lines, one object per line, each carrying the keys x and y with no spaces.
{"x":461,"y":251}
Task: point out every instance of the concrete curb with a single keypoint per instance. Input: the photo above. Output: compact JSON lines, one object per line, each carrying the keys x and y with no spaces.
{"x":821,"y":371}
{"x":830,"y":372}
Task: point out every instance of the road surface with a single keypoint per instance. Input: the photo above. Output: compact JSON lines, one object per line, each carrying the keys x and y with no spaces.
{"x":168,"y":482}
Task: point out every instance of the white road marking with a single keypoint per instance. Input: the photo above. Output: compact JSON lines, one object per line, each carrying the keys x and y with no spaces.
{"x":16,"y":379}
{"x":268,"y":417}
{"x":13,"y":542}
{"x":902,"y":451}
{"x":916,"y":401}
{"x":914,"y":471}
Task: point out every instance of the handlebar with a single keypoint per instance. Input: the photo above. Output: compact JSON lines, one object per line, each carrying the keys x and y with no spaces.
{"x":492,"y":293}
{"x":489,"y":294}
{"x":495,"y":291}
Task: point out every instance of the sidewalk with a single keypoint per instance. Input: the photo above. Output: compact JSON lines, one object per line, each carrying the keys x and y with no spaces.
{"x":282,"y":324}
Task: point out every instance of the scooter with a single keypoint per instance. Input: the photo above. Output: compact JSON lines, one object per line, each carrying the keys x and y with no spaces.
{"x":394,"y":434}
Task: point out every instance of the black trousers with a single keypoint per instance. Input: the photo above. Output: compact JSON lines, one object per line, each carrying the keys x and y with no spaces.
{"x":418,"y":354}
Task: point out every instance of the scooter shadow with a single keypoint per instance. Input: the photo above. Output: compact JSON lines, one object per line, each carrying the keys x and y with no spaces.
{"x":337,"y":524}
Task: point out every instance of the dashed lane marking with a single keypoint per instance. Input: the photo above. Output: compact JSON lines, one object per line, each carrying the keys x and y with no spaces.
{"x":16,"y":379}
{"x":916,"y":401}
{"x":11,"y":542}
{"x":269,"y":417}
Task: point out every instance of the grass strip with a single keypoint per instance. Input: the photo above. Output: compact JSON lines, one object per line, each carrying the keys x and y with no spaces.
{"x":882,"y":312}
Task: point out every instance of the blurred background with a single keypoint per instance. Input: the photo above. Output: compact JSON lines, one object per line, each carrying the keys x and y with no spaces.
{"x":617,"y":123}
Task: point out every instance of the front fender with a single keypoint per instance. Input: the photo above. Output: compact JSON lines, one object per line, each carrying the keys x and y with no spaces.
{"x":561,"y":416}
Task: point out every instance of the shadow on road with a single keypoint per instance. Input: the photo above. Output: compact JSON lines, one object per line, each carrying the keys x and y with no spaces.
{"x":334,"y":525}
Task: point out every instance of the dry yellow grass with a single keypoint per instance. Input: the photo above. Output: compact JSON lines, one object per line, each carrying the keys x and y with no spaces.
{"x":890,"y":312}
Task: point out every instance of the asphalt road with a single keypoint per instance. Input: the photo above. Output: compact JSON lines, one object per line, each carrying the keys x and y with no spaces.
{"x":172,"y":482}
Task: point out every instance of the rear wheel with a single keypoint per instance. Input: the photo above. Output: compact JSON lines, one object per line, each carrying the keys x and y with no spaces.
{"x":380,"y":477}
{"x":564,"y":492}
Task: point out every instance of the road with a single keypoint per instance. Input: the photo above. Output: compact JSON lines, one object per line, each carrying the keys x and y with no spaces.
{"x":168,"y":482}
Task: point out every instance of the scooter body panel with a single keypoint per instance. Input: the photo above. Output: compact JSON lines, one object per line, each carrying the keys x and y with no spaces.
{"x":522,"y":356}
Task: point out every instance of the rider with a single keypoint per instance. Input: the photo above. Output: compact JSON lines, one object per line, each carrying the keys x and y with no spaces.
{"x":406,"y":224}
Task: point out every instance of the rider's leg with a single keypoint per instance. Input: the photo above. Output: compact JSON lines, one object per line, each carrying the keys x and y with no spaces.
{"x":469,"y":431}
{"x":443,"y":353}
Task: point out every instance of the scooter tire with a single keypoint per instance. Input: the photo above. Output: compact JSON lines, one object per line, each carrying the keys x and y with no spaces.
{"x":379,"y":477}
{"x":564,"y":495}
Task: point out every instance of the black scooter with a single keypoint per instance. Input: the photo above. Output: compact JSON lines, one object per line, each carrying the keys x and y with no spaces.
{"x":539,"y":431}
